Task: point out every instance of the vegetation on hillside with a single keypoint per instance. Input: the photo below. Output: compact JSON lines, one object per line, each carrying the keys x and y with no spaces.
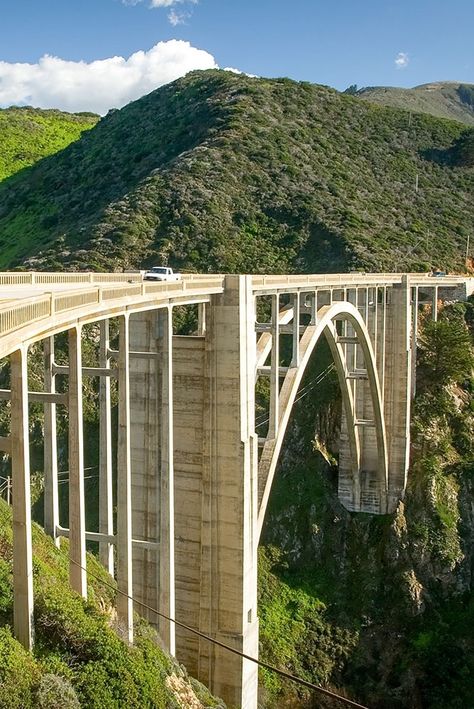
{"x":29,"y":134}
{"x":379,"y":607}
{"x":447,"y":99}
{"x":462,"y":151}
{"x":224,"y":172}
{"x":79,"y":659}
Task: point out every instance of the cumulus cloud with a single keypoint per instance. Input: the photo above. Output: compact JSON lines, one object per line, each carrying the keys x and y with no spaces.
{"x":98,"y":85}
{"x":401,"y":60}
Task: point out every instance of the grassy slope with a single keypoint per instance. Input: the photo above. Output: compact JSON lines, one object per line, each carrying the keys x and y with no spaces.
{"x":77,"y":644}
{"x":224,"y":172}
{"x":440,"y":99}
{"x":29,"y":134}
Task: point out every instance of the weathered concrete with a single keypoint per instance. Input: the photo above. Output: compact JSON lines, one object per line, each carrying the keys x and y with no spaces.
{"x":106,"y":507}
{"x":124,"y":487}
{"x":77,"y":524}
{"x":22,"y":547}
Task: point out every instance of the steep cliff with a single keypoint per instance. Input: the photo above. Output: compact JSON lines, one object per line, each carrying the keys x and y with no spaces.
{"x":380,"y":607}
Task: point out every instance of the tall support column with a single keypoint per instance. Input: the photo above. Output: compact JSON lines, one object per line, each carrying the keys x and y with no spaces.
{"x":314,"y":308}
{"x":51,"y":504}
{"x":295,"y":360}
{"x":275,"y":369}
{"x":106,"y":520}
{"x":124,"y":487}
{"x":77,"y":525}
{"x":229,"y":547}
{"x":22,"y":550}
{"x":434,"y":307}
{"x":165,"y":505}
{"x":414,"y":343}
{"x":201,"y":330}
{"x":398,"y":389}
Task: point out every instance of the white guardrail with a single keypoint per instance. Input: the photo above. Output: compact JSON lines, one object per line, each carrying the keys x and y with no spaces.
{"x":18,"y":310}
{"x":21,"y":310}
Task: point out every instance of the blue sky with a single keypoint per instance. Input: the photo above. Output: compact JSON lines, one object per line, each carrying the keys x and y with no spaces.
{"x":342,"y":42}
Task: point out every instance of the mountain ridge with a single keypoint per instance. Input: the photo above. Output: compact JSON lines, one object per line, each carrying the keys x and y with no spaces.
{"x":224,"y":172}
{"x":443,"y":99}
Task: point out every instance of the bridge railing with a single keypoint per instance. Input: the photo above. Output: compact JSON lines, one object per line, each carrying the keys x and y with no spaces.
{"x":42,"y":277}
{"x":39,"y":277}
{"x":19,"y":312}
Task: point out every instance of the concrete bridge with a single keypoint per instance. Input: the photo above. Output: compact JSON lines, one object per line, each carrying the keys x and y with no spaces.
{"x":191,"y":477}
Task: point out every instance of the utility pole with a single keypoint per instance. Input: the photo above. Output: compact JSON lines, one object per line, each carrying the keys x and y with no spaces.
{"x":416,"y":182}
{"x":467,"y":251}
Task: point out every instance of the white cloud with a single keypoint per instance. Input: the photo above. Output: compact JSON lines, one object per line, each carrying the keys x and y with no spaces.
{"x":178,"y":17}
{"x":168,"y":3}
{"x":175,"y":17}
{"x":98,"y":85}
{"x":401,"y":60}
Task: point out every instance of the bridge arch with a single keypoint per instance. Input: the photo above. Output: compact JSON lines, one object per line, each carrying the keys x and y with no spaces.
{"x":327,"y":317}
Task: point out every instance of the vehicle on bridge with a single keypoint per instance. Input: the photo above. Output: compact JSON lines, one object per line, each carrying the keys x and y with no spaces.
{"x":161,"y":273}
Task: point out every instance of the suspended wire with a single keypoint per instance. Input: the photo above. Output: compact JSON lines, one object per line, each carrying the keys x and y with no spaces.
{"x":66,"y":472}
{"x":86,"y":477}
{"x":214,"y":641}
{"x":316,"y":381}
{"x":306,"y":390}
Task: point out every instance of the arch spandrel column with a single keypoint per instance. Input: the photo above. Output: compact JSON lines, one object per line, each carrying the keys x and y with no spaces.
{"x":22,"y":544}
{"x":77,"y":523}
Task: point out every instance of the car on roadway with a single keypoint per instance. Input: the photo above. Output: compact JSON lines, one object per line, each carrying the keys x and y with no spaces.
{"x":161,"y":273}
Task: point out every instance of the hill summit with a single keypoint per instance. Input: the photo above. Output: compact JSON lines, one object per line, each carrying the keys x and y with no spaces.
{"x":225,"y":172}
{"x":444,"y":99}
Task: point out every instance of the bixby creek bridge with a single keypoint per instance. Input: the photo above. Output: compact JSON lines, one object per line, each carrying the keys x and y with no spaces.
{"x":185,"y":481}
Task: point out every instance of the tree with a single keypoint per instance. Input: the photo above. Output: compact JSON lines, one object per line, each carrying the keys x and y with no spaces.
{"x":462,"y":151}
{"x":446,"y":355}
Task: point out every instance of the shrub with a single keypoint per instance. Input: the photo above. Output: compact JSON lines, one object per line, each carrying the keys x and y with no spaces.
{"x":56,"y":692}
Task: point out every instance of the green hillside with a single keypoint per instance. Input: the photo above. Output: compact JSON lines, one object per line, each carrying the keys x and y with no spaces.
{"x":29,"y":134}
{"x":444,"y":99}
{"x":79,"y":659}
{"x":224,"y":172}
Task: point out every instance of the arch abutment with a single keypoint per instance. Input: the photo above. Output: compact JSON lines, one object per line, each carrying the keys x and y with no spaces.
{"x":21,"y":497}
{"x":51,"y":502}
{"x":124,"y":487}
{"x":77,"y":525}
{"x":106,"y":520}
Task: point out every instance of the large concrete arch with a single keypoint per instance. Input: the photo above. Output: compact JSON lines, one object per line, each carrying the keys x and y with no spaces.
{"x":326,"y":319}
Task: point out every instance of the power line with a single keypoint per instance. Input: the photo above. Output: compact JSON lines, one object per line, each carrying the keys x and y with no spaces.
{"x":304,"y":391}
{"x":308,"y":386}
{"x":243,"y":655}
